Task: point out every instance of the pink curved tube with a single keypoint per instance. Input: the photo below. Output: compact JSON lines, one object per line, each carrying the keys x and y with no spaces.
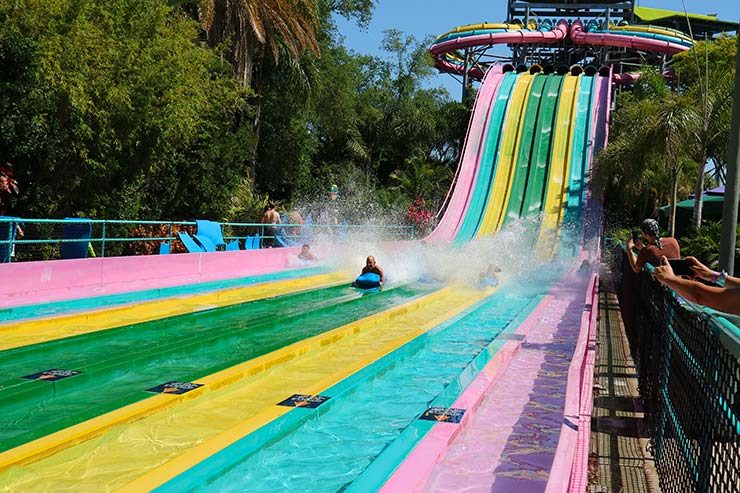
{"x":512,"y":37}
{"x":448,"y":226}
{"x":632,"y":77}
{"x":579,"y":36}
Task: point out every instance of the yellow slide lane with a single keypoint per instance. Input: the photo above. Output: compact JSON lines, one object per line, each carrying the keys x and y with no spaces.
{"x":556,"y":195}
{"x":232,"y":403}
{"x":506,"y":157}
{"x":29,"y":332}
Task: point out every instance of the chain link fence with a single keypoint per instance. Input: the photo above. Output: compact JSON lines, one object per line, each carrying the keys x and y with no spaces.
{"x":688,"y":362}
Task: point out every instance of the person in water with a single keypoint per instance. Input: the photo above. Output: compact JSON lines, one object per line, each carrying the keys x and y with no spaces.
{"x":307,"y":255}
{"x":490,"y":276}
{"x":372,"y":267}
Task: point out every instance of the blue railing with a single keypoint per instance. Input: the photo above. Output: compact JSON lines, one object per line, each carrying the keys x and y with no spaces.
{"x":40,"y":239}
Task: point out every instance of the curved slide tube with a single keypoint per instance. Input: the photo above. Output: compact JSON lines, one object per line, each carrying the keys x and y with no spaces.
{"x":518,"y":36}
{"x":605,"y":38}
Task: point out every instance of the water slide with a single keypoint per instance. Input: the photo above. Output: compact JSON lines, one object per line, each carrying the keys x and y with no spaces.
{"x":180,"y":391}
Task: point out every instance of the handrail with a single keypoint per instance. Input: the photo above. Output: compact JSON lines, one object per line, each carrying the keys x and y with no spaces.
{"x":168,"y":232}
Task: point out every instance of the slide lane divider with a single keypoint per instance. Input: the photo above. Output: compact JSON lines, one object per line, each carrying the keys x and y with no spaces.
{"x":412,"y":474}
{"x":55,"y":442}
{"x":213,"y":465}
{"x":26,"y":333}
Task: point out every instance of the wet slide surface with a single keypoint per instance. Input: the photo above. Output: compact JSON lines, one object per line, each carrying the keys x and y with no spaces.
{"x":118,"y":365}
{"x":124,"y":453}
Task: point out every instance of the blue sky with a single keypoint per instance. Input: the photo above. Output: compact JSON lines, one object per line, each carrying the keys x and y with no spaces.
{"x":433,"y":17}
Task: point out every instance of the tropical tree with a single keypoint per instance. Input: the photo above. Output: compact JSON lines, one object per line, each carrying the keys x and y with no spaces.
{"x":251,"y":28}
{"x":706,"y":76}
{"x":647,"y":148}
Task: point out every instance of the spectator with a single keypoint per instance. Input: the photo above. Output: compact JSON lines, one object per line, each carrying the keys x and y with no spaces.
{"x":725,"y":297}
{"x":306,"y":254}
{"x":654,"y":247}
{"x":270,"y":217}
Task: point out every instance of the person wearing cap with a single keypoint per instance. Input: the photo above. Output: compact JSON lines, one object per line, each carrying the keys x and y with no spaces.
{"x":654,"y":248}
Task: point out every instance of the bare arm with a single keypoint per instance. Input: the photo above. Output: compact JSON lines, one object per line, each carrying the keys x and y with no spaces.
{"x":703,"y":272}
{"x":722,"y":299}
{"x":382,"y":275}
{"x":631,"y":256}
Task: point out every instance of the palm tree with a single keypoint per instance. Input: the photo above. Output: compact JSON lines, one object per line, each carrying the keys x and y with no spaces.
{"x":252,"y":28}
{"x":708,"y":130}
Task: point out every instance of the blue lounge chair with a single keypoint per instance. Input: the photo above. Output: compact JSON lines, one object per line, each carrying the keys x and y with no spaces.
{"x":190,"y":245}
{"x":252,"y":242}
{"x":75,"y":229}
{"x":165,"y":248}
{"x":210,"y":230}
{"x":232,"y":246}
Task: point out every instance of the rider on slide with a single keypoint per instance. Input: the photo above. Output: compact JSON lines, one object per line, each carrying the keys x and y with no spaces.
{"x":373,"y":268}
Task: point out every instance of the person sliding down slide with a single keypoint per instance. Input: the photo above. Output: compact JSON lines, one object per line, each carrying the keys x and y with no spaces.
{"x":372,"y":275}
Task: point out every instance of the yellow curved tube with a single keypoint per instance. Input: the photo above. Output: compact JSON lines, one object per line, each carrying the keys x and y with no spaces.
{"x":506,"y":157}
{"x":484,"y":25}
{"x":653,"y":30}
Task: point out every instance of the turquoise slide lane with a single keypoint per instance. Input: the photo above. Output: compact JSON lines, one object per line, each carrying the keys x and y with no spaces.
{"x":479,"y":199}
{"x":98,"y":302}
{"x":576,"y":191}
{"x":371,"y":420}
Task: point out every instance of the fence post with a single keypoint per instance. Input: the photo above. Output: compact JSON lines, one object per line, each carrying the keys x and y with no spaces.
{"x":102,"y":235}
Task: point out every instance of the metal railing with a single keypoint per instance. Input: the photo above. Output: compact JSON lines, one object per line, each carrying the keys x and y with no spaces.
{"x":688,"y":363}
{"x":40,"y":239}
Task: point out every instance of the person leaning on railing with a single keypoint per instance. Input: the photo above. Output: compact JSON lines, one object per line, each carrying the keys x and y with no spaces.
{"x":654,"y":247}
{"x":725,"y":296}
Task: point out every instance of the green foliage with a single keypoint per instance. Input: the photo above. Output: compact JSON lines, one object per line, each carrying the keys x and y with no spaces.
{"x":115,"y":109}
{"x":704,"y":244}
{"x":664,"y":132}
{"x":359,"y":118}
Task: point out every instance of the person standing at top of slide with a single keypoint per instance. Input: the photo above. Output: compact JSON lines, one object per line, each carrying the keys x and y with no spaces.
{"x":270,"y":217}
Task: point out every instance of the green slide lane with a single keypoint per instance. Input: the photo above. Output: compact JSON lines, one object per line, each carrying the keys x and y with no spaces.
{"x":479,"y":199}
{"x":524,"y":157}
{"x":117,"y":366}
{"x":542,"y":147}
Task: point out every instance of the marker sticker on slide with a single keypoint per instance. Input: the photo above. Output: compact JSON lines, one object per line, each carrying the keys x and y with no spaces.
{"x":52,"y":375}
{"x":174,"y":388}
{"x":443,"y":414}
{"x":305,"y":401}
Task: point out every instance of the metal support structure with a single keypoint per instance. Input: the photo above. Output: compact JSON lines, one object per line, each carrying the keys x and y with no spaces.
{"x":466,"y":76}
{"x":732,"y":188}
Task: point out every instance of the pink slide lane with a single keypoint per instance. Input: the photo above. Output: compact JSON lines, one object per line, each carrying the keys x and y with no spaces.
{"x":468,"y":172}
{"x":528,"y":421}
{"x":55,"y":280}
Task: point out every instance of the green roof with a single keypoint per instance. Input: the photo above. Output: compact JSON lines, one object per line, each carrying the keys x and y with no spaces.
{"x":648,"y":14}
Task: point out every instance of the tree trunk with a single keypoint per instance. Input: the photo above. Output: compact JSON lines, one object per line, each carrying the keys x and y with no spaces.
{"x":698,"y":194}
{"x":674,"y":195}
